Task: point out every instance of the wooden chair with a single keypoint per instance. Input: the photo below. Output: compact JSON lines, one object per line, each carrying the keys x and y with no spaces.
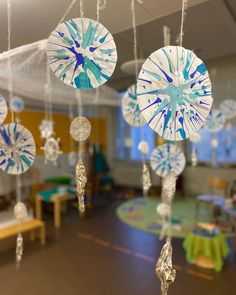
{"x":216,"y":183}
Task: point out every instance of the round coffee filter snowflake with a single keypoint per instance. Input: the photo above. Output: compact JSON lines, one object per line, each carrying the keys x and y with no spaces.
{"x":167,"y":158}
{"x":82,"y":53}
{"x":174,"y":92}
{"x":17,"y":148}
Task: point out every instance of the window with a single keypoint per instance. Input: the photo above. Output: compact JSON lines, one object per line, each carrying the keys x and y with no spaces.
{"x":226,"y":150}
{"x":128,"y":138}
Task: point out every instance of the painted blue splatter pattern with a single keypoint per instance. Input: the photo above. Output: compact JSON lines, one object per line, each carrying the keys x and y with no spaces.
{"x":82,"y":53}
{"x":215,"y":121}
{"x":130,"y":108}
{"x":228,"y":108}
{"x":17,"y":148}
{"x":3,"y":109}
{"x":166,"y":158}
{"x":174,"y":92}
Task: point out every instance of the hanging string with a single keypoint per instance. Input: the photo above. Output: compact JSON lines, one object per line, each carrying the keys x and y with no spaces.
{"x":71,"y":116}
{"x":67,"y":11}
{"x":228,"y":89}
{"x":81,"y":6}
{"x":166,"y":35}
{"x":80,"y":113}
{"x":49,"y":97}
{"x":135,"y":37}
{"x":19,"y":239}
{"x":9,"y":63}
{"x":101,"y":4}
{"x":179,"y":39}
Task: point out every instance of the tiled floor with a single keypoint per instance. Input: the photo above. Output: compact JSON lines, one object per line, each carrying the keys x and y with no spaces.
{"x":102,"y":256}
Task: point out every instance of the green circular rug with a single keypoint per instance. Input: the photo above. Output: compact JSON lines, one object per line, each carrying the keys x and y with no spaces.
{"x":141,"y":213}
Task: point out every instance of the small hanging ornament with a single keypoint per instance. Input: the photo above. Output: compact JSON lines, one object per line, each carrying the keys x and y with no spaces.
{"x":80,"y":128}
{"x":3,"y":109}
{"x":174,"y":92}
{"x":20,"y":211}
{"x":81,"y":180}
{"x":194,"y":157}
{"x":214,"y":146}
{"x":163,"y":210}
{"x":19,"y":249}
{"x":17,"y":104}
{"x":51,"y":150}
{"x":17,"y":148}
{"x":82,"y":53}
{"x":143,"y":147}
{"x":164,"y":267}
{"x":130,"y":108}
{"x":46,"y":128}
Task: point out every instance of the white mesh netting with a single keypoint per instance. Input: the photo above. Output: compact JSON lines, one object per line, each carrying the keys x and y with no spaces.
{"x":29,"y":63}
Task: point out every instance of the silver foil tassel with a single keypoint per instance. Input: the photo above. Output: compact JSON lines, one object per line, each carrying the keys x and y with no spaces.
{"x":19,"y":249}
{"x":164,"y":268}
{"x":146,"y":179}
{"x":81,"y":180}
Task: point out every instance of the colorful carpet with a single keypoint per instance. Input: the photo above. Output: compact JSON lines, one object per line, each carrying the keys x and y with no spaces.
{"x":141,"y":213}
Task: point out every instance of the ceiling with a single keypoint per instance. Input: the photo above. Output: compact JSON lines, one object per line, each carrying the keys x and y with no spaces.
{"x":210,"y":26}
{"x":33,"y":20}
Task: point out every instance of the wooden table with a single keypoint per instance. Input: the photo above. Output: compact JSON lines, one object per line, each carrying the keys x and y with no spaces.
{"x":56,"y":199}
{"x":25,"y":226}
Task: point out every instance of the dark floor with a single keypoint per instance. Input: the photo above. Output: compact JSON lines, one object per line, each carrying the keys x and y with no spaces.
{"x":102,"y":256}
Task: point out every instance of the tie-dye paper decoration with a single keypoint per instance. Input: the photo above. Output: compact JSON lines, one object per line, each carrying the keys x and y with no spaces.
{"x":228,"y":108}
{"x":3,"y":109}
{"x":174,"y":92}
{"x":215,"y":121}
{"x":17,"y":104}
{"x":82,"y":53}
{"x":167,"y":158}
{"x":17,"y":148}
{"x":130,"y":108}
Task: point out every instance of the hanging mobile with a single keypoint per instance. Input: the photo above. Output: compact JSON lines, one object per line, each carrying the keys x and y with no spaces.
{"x":21,"y":214}
{"x":80,"y":129}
